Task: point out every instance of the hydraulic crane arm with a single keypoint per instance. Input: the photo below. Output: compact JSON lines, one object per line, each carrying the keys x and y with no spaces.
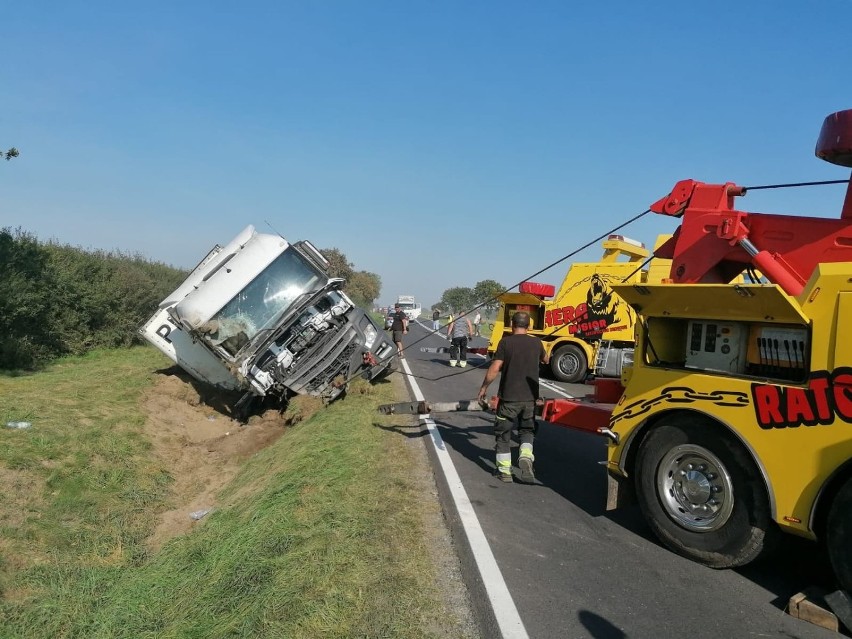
{"x":715,"y":241}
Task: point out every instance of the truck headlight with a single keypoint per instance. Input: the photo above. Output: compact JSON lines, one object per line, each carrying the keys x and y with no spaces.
{"x":369,"y":335}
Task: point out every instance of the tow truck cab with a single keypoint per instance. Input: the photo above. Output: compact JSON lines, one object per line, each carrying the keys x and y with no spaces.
{"x":583,"y":314}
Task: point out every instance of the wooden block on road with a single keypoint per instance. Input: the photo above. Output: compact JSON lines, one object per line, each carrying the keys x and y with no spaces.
{"x":809,"y":605}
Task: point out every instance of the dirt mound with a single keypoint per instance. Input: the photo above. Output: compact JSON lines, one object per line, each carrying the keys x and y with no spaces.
{"x":192,"y":431}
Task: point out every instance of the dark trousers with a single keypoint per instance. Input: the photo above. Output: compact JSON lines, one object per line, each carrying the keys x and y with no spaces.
{"x":458,"y":348}
{"x":507,"y":414}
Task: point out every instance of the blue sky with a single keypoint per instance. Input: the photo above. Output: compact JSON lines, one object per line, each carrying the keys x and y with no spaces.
{"x":435,"y":143}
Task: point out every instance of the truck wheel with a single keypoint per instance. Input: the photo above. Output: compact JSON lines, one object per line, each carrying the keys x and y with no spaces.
{"x":702,"y":494}
{"x":569,"y":364}
{"x":839,"y":535}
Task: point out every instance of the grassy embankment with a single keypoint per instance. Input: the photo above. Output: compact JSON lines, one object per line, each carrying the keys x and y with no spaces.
{"x":325,"y":537}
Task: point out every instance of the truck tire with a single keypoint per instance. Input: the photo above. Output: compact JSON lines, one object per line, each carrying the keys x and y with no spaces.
{"x":702,"y":494}
{"x":839,"y":536}
{"x":568,"y":364}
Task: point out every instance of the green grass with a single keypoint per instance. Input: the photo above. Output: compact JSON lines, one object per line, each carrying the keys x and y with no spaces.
{"x":323,"y":538}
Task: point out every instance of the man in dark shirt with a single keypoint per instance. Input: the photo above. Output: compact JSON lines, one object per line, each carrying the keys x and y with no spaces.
{"x":399,"y":327}
{"x":517,"y":357}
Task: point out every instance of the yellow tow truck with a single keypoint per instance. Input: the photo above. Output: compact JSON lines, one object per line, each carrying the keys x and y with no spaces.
{"x":584,"y":314}
{"x":734,"y":422}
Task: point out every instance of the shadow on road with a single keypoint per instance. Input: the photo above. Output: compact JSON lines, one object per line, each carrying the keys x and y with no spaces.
{"x":468,"y":440}
{"x":795,"y":565}
{"x":598,"y":627}
{"x":406,"y":430}
{"x":567,"y":463}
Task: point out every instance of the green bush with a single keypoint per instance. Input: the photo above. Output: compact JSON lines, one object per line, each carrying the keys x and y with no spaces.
{"x":57,"y":299}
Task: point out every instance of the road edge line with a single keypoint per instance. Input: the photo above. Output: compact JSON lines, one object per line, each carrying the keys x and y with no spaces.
{"x":501,"y":615}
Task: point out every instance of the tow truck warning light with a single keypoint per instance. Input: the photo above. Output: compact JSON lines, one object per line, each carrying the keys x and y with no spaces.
{"x":626,"y":240}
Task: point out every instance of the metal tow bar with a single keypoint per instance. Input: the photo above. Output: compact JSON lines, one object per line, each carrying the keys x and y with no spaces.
{"x":425,"y":408}
{"x":478,"y":350}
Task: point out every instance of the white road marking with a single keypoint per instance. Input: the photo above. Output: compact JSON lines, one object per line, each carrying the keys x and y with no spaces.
{"x":438,"y":333}
{"x":502,"y":604}
{"x":554,"y":388}
{"x":548,"y":385}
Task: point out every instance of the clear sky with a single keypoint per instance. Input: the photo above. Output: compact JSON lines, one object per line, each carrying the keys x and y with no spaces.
{"x":435,"y":143}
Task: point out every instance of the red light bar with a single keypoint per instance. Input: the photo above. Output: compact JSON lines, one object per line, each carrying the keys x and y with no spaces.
{"x":536,"y":288}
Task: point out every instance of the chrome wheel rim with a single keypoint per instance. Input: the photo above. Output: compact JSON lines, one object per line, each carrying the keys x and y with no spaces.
{"x":695,"y":488}
{"x":568,"y":364}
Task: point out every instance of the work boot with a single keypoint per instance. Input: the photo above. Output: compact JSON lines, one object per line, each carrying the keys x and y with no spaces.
{"x":463,"y":363}
{"x":452,"y":362}
{"x":525,"y":465}
{"x":503,"y":467}
{"x":504,"y":475}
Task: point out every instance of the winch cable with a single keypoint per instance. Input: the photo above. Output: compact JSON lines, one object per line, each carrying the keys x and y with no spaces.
{"x":506,"y":290}
{"x":638,"y":268}
{"x":584,"y":247}
{"x":794,"y":184}
{"x":752,"y":274}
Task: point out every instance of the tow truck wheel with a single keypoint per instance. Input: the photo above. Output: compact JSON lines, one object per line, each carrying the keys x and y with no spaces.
{"x":839,"y":535}
{"x":702,"y":494}
{"x":568,"y":364}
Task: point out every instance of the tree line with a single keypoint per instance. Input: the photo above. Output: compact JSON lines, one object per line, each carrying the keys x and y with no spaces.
{"x":483,"y":295}
{"x":362,"y":287}
{"x":58,"y":300}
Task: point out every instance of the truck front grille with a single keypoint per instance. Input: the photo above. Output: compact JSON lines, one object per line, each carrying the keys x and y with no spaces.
{"x":339,"y":366}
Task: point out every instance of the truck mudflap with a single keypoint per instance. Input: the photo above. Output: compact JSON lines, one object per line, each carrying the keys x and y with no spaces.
{"x":619,"y":491}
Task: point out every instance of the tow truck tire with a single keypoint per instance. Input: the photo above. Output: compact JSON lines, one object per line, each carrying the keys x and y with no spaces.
{"x":702,"y":494}
{"x":568,"y":364}
{"x":839,"y":536}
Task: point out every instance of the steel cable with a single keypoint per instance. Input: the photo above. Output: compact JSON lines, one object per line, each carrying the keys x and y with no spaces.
{"x":493,"y":298}
{"x":584,"y":247}
{"x":793,"y":184}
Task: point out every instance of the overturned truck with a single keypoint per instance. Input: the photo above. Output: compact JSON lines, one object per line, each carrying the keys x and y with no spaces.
{"x":263,"y":316}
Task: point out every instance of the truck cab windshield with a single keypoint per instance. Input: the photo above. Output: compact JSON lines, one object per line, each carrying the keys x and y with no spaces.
{"x":264,"y":300}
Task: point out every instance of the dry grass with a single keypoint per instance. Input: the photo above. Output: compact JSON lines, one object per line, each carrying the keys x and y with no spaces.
{"x":317,"y":527}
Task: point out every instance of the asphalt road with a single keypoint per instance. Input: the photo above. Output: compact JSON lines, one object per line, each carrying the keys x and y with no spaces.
{"x":571,"y":568}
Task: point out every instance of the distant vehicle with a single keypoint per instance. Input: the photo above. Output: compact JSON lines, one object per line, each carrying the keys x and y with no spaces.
{"x":408,"y":304}
{"x":584,"y":324}
{"x":263,"y":316}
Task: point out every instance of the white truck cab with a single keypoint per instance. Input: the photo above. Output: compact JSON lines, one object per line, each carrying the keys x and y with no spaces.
{"x":409,"y":305}
{"x":263,"y":316}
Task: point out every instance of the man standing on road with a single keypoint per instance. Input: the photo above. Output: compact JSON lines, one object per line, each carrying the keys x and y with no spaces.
{"x":477,"y":320}
{"x":517,"y":357}
{"x":399,"y":327}
{"x":436,"y":316}
{"x":458,"y":332}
